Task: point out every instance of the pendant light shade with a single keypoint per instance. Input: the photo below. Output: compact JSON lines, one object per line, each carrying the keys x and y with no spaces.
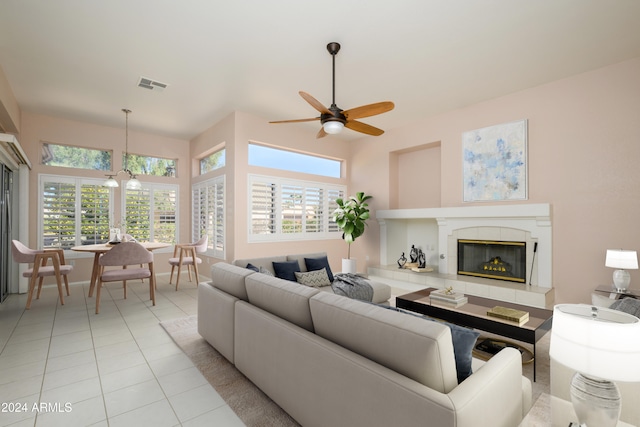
{"x":133,"y":184}
{"x":111,"y":182}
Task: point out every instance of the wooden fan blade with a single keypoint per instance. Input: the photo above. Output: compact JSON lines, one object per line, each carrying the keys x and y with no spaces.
{"x":369,"y":110}
{"x":314,"y":103}
{"x":321,"y":133}
{"x":363,"y":127}
{"x":296,"y":120}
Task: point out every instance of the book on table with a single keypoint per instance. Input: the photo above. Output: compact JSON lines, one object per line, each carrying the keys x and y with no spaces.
{"x":449,"y":302}
{"x":510,"y":314}
{"x":447,"y":294}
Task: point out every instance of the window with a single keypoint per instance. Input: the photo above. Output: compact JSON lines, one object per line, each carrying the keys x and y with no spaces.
{"x":75,"y":157}
{"x":260,"y":155}
{"x":75,"y":211}
{"x":147,"y":165}
{"x":212,"y":162}
{"x":208,"y":214}
{"x":151,"y":213}
{"x":281,"y":209}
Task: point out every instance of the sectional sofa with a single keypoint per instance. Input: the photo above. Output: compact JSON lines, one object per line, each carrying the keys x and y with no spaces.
{"x":330,"y":360}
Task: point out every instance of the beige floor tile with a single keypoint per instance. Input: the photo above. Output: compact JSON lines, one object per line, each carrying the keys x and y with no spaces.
{"x":114,"y":369}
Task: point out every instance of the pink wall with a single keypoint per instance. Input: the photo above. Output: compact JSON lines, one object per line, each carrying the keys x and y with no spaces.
{"x":584,"y":146}
{"x":37,"y":129}
{"x":9,"y":110}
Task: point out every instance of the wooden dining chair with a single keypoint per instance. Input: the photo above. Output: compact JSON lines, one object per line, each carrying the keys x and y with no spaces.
{"x":39,"y":258}
{"x":185,"y":254}
{"x":124,"y":255}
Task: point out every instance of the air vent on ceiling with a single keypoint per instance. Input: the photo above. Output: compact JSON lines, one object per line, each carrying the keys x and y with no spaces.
{"x":152,"y":84}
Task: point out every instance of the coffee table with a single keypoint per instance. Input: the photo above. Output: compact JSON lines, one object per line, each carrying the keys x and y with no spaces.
{"x":474,"y":315}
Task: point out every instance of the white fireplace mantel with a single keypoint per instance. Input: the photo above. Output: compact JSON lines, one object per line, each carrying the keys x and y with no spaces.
{"x":440,"y":224}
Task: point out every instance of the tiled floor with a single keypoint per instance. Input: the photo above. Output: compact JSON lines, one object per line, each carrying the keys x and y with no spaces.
{"x":67,"y":366}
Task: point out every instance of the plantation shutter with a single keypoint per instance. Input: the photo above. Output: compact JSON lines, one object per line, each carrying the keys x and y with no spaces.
{"x":208,"y":213}
{"x":75,"y":212}
{"x":94,"y":218}
{"x":332,"y":195}
{"x":292,"y":208}
{"x":263,"y":207}
{"x":59,"y":214}
{"x":314,"y":202}
{"x":164,"y":215}
{"x":137,"y":209}
{"x":285,"y":209}
{"x":151,"y":213}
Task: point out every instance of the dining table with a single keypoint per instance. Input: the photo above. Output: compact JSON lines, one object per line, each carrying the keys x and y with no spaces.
{"x":100,"y":248}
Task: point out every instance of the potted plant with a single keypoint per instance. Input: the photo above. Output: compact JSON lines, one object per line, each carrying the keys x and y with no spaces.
{"x":351,"y":216}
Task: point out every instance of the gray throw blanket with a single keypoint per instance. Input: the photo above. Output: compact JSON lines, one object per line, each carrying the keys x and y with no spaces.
{"x":352,"y":286}
{"x":628,"y":305}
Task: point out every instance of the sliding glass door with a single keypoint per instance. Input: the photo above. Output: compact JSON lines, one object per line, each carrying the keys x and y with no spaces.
{"x":6,"y":177}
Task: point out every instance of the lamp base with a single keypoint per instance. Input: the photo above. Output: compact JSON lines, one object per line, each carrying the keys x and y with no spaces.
{"x":596,"y":402}
{"x":621,"y":279}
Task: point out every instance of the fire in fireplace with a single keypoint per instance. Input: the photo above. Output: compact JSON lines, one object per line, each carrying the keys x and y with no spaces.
{"x":493,"y":259}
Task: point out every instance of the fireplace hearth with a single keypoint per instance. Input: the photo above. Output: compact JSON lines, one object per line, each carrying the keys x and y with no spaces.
{"x":492,"y":259}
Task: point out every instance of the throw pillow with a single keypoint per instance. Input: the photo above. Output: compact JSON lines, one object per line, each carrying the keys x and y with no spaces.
{"x":464,"y":340}
{"x":315,"y":279}
{"x":286,"y":269}
{"x":253,"y":267}
{"x":318,"y":264}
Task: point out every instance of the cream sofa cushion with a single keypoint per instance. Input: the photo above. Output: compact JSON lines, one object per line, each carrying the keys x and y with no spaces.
{"x":285,"y":299}
{"x":230,"y":279}
{"x":420,"y":350}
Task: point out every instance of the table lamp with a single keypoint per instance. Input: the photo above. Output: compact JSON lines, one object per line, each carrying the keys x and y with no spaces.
{"x":602,"y":346}
{"x":622,"y":261}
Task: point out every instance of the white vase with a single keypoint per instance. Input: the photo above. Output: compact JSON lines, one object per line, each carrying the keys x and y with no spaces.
{"x":349,"y":265}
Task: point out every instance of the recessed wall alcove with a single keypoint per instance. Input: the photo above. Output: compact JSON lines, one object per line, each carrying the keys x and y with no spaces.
{"x":436,"y":231}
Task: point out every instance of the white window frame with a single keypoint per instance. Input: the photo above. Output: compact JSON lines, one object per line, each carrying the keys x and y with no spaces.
{"x":216,"y":246}
{"x":329,"y":229}
{"x":78,"y":182}
{"x":153,"y":187}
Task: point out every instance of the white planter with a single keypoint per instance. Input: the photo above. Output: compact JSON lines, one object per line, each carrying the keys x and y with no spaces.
{"x":349,"y":265}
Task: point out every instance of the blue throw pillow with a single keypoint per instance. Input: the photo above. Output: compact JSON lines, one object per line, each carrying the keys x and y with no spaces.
{"x":253,"y":267}
{"x":314,"y":264}
{"x":464,"y":340}
{"x":286,"y":269}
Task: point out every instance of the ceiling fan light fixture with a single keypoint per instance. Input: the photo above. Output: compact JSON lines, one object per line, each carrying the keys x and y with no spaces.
{"x":333,"y":127}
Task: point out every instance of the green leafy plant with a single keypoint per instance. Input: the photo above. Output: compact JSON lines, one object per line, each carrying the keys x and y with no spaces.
{"x":351,"y":216}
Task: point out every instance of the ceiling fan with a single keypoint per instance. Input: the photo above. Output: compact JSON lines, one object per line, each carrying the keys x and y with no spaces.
{"x":334,"y":119}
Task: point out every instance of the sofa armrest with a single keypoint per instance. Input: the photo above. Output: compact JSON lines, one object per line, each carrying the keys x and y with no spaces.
{"x":497,"y":394}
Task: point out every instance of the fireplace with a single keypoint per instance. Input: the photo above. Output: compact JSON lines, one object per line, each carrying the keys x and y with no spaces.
{"x":492,"y":259}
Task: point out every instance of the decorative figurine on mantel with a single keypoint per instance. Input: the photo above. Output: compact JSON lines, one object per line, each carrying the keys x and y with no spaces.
{"x":422,"y":259}
{"x":413,"y":255}
{"x":402,"y":261}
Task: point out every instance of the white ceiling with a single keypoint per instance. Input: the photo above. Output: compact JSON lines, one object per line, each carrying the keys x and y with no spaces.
{"x":82,"y":60}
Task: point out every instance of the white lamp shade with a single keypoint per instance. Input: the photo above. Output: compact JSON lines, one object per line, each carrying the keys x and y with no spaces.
{"x":597,"y":342}
{"x":333,"y":127}
{"x":110,"y":182}
{"x":617,"y":258}
{"x":133,"y":184}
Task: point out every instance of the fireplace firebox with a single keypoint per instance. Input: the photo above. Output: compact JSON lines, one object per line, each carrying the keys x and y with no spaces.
{"x":501,"y":260}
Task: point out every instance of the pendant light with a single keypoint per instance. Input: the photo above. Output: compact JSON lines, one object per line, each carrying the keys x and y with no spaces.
{"x":133,"y":183}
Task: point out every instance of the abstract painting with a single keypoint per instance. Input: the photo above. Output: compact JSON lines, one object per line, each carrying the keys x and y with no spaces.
{"x":495,"y":162}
